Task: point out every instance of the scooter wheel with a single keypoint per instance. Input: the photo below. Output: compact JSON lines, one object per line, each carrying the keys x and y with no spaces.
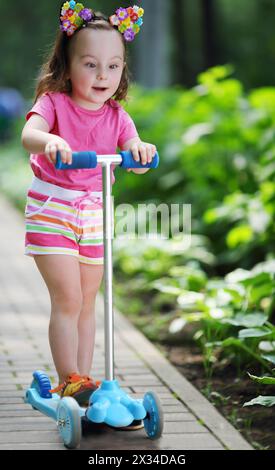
{"x":42,"y":384}
{"x":153,"y":422}
{"x":69,"y":422}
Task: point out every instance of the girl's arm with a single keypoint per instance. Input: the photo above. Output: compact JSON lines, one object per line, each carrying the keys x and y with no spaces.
{"x":36,"y":138}
{"x":142,"y":151}
{"x":35,"y":134}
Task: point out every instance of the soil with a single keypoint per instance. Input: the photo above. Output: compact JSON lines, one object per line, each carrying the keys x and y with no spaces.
{"x":228,"y":389}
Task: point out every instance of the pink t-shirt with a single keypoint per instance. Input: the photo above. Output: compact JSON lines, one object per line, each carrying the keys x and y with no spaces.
{"x":101,"y":131}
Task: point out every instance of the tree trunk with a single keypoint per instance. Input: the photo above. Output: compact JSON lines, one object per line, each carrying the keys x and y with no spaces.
{"x":151,"y":66}
{"x":208,"y":33}
{"x":180,"y":70}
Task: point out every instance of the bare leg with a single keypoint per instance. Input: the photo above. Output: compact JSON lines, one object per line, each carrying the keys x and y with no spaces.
{"x":91,"y":277}
{"x":61,"y":274}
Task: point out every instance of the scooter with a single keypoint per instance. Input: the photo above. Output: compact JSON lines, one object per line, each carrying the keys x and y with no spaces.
{"x":108,"y":403}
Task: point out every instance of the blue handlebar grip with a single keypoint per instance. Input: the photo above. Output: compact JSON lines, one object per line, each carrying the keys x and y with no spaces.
{"x":79,"y":160}
{"x":129,"y":162}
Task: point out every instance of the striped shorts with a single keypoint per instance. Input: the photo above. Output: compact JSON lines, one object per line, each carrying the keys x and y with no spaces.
{"x":64,"y":221}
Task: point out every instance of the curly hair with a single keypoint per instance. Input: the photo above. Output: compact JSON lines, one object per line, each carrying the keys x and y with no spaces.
{"x":53,"y":73}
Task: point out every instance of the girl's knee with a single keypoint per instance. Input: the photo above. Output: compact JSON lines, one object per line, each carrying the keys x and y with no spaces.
{"x":88,"y":303}
{"x":68,"y":302}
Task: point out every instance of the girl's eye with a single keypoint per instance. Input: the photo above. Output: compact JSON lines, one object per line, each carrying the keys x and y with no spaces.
{"x":92,"y":66}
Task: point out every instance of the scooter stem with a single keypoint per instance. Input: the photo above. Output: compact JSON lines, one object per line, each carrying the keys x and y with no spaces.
{"x":108,"y":271}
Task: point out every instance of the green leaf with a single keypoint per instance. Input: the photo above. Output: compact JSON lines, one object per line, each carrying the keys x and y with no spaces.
{"x":249,"y":320}
{"x":239,"y":235}
{"x":219,"y":72}
{"x":254,"y":332}
{"x":238,"y":275}
{"x":266,"y":266}
{"x":262,"y":380}
{"x":165,"y":288}
{"x":195,"y":132}
{"x":269,"y":357}
{"x":236,"y":293}
{"x":259,"y":292}
{"x":190,"y":299}
{"x":217,"y":313}
{"x":261,"y":400}
{"x":267,"y":346}
{"x":177,"y":325}
{"x":256,"y":279}
{"x":225,"y":343}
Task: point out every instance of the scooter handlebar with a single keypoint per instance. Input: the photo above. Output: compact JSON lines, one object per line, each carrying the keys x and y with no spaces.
{"x":79,"y":160}
{"x":89,"y":160}
{"x":129,"y":162}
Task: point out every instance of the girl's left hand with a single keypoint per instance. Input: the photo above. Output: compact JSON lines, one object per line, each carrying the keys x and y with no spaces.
{"x":143,"y":152}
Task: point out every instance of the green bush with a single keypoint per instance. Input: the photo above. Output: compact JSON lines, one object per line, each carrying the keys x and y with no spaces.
{"x":217,"y":152}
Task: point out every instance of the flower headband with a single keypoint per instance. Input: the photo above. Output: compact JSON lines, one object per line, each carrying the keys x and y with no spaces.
{"x":127,"y":20}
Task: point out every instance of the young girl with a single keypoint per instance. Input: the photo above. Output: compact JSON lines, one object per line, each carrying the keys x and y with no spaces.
{"x":76,"y":108}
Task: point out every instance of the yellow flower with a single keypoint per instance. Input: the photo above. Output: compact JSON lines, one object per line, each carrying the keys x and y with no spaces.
{"x":66,"y":5}
{"x":140,"y":11}
{"x":127,"y":22}
{"x":73,"y":18}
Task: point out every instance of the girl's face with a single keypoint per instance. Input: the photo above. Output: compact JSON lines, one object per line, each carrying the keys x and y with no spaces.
{"x":96,"y":66}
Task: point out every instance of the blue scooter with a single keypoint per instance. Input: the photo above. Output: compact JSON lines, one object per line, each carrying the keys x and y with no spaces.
{"x":109,"y":403}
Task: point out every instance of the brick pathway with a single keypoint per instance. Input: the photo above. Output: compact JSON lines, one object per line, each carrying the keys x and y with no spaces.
{"x":191,"y":422}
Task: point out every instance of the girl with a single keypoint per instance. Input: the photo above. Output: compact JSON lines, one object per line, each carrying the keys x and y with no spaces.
{"x":76,"y":107}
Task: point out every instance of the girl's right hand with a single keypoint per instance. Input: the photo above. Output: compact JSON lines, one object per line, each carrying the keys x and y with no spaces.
{"x":57,"y":143}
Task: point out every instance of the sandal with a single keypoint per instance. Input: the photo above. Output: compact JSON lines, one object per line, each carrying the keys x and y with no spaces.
{"x":80,"y":387}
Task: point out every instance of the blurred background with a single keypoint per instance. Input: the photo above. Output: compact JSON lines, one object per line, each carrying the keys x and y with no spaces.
{"x":180,"y":38}
{"x":203,"y":91}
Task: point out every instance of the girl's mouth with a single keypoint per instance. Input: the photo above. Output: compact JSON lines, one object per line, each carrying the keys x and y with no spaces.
{"x":99,"y":89}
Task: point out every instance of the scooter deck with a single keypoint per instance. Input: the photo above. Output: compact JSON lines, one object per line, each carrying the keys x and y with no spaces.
{"x":47,"y":406}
